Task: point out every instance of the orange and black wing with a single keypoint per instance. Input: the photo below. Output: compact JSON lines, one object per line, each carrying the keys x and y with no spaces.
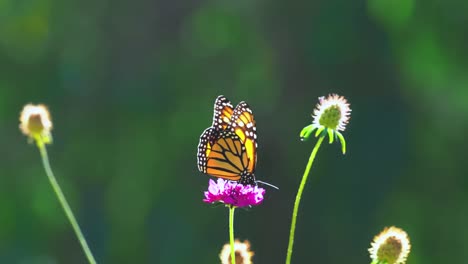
{"x":222,"y":113}
{"x":228,"y":149}
{"x":227,"y":157}
{"x":221,"y":119}
{"x":243,"y":126}
{"x":207,"y":139}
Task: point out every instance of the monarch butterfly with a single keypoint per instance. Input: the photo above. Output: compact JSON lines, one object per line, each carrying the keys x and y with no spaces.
{"x":228,"y":149}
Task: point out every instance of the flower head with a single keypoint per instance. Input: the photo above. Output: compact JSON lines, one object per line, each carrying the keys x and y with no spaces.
{"x":233,"y":193}
{"x":391,"y":246}
{"x":331,"y":116}
{"x":242,"y":251}
{"x":332,"y":112}
{"x":35,"y":123}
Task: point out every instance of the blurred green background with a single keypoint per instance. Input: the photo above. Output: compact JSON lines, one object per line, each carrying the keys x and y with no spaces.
{"x":131,"y":86}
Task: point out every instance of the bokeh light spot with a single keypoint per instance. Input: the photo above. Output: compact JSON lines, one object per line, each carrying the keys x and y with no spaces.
{"x":392,"y":14}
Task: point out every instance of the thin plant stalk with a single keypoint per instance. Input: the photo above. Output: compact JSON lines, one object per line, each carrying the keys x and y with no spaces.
{"x":298,"y":198}
{"x":64,"y":203}
{"x":231,"y":233}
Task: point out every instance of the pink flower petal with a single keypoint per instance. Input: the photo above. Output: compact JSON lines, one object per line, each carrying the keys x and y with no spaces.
{"x":233,"y":193}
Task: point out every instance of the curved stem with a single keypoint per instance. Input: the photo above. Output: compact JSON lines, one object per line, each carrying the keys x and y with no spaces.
{"x":64,"y":203}
{"x":231,"y":233}
{"x":298,"y":199}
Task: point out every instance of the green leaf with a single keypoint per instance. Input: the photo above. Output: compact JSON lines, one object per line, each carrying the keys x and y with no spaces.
{"x":319,"y":131}
{"x":306,"y":131}
{"x":342,"y":141}
{"x":330,"y":135}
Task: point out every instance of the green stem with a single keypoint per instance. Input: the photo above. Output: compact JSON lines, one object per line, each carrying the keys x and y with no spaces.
{"x":64,"y":203}
{"x":231,"y":233}
{"x":298,"y":199}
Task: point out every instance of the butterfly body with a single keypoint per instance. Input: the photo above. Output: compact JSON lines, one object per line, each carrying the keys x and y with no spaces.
{"x":228,"y":149}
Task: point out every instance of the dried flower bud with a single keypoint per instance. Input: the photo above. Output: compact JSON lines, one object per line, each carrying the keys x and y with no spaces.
{"x":35,"y":123}
{"x":242,"y":251}
{"x":391,"y":246}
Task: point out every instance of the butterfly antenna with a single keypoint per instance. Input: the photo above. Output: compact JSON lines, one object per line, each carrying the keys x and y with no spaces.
{"x":268,"y":184}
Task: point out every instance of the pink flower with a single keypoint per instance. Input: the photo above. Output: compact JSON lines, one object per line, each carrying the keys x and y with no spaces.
{"x":233,"y":193}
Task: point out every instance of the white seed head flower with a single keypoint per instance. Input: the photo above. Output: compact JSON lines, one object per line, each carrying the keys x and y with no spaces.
{"x":242,"y":251}
{"x":391,"y":246}
{"x":331,"y":115}
{"x":332,"y":112}
{"x":35,"y":123}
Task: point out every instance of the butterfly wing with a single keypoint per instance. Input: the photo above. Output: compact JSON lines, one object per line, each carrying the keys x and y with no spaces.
{"x":228,"y":149}
{"x":227,"y":158}
{"x":243,"y":125}
{"x":221,"y":119}
{"x":222,"y":112}
{"x":207,"y":140}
